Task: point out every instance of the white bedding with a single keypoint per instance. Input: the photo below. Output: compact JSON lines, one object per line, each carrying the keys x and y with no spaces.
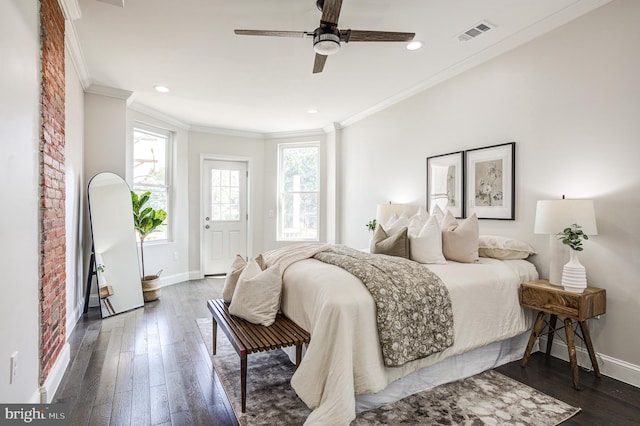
{"x":344,"y":358}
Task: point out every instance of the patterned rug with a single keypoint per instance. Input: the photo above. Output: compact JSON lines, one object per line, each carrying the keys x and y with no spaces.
{"x":489,"y":398}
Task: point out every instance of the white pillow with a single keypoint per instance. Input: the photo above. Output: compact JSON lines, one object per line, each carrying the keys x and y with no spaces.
{"x":395,"y":224}
{"x":417,"y":221}
{"x":426,"y":247}
{"x":257,"y":295}
{"x":437,"y":212}
{"x":231,"y":280}
{"x":503,"y":248}
{"x":460,"y":239}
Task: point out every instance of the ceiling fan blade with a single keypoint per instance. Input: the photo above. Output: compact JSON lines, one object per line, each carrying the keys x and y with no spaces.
{"x":318,"y":64}
{"x":275,"y":33}
{"x":358,"y":35}
{"x":331,"y":11}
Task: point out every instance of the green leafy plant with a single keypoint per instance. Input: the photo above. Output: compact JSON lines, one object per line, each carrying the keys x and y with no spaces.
{"x":145,"y":219}
{"x":573,"y":236}
{"x":372,"y":225}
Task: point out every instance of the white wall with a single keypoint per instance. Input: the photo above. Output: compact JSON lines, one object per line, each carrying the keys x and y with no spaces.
{"x":105,"y":150}
{"x":19,"y":204}
{"x":570,"y":100}
{"x":75,"y":193}
{"x":222,"y":146}
{"x":171,"y":257}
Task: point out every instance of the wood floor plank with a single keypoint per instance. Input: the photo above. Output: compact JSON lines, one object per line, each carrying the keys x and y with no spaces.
{"x":121,"y":408}
{"x":160,"y":410}
{"x":141,"y":399}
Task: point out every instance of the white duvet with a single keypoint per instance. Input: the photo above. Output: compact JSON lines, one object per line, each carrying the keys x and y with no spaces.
{"x":344,"y":358}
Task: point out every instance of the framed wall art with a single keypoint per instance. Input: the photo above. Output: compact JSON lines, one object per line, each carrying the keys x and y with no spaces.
{"x":445,"y":183}
{"x":490,"y":181}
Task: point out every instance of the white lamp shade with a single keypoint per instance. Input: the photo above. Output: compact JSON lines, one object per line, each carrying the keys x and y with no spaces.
{"x":552,"y":216}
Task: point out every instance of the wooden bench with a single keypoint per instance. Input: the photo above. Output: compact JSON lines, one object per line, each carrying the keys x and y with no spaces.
{"x":247,"y":338}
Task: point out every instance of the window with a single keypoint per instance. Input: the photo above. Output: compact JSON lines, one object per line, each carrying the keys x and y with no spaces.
{"x":225,"y":195}
{"x":298,"y":192}
{"x":151,"y":172}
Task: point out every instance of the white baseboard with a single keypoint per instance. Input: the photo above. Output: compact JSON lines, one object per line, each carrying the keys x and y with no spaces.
{"x":609,"y":366}
{"x":50,"y":386}
{"x":195,"y":275}
{"x":174,"y":279}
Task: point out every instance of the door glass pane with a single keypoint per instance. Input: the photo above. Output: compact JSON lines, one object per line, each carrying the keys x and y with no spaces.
{"x":225,"y":188}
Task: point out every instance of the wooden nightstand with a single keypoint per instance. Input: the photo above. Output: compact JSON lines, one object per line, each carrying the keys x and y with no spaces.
{"x":554,"y":300}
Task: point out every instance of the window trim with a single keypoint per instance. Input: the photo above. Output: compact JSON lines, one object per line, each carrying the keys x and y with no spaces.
{"x":169,"y":167}
{"x":280,"y":193}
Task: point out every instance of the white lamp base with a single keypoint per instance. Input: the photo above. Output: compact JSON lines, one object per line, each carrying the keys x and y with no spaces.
{"x":574,"y":276}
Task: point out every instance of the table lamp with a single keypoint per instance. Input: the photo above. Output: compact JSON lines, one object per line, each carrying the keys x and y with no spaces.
{"x":552,"y":217}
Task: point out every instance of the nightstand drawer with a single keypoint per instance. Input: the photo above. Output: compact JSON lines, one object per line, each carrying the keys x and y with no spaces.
{"x":542,"y":296}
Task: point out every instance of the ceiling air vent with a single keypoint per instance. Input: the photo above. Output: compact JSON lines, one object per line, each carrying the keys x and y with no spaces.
{"x":475,"y":31}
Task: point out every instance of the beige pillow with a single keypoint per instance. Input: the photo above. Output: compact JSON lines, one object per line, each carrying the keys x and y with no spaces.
{"x":235,"y":269}
{"x":392,"y":245}
{"x":426,"y":247}
{"x":503,"y":248}
{"x":460,"y":239}
{"x":257,"y":295}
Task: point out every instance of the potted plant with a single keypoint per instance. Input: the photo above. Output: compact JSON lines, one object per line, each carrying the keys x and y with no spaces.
{"x":574,"y":277}
{"x":146,"y":220}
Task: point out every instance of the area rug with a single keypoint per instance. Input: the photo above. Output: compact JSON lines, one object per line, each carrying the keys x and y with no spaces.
{"x":489,"y":398}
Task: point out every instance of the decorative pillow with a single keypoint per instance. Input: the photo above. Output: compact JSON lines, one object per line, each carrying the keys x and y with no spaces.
{"x":395,"y":224}
{"x":460,"y":240}
{"x":426,"y":247}
{"x":257,"y":295}
{"x":230,"y":282}
{"x":437,"y":212}
{"x":392,"y":245}
{"x":417,"y":221}
{"x":235,"y":269}
{"x":503,"y":248}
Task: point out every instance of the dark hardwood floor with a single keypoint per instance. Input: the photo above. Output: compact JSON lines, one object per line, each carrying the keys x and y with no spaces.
{"x":150,"y":366}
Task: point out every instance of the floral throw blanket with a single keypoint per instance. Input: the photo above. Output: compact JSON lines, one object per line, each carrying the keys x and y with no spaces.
{"x":413,"y":312}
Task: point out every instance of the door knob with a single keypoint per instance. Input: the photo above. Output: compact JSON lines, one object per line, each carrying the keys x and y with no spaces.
{"x":206,"y":218}
{"x":206,"y":227}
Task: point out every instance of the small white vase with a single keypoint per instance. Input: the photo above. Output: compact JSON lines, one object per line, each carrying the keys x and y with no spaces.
{"x":574,"y":276}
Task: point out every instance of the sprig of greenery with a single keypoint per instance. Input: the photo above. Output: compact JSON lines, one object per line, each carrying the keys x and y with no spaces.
{"x":372,"y":225}
{"x":573,"y":237}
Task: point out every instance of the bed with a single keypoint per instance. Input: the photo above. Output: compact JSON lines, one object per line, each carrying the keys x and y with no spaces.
{"x":344,"y":358}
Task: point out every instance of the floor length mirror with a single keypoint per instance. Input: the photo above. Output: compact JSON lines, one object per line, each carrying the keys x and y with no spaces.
{"x":114,"y":244}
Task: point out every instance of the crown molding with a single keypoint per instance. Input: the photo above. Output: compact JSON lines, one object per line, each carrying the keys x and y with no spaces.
{"x":154,"y":113}
{"x":545,"y":25}
{"x":75,"y":52}
{"x":111,"y":92}
{"x":296,"y":134}
{"x":228,"y":132}
{"x":70,"y":9}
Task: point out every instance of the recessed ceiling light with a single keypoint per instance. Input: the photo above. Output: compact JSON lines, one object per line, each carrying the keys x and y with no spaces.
{"x":312,"y":111}
{"x":414,"y":45}
{"x":160,"y":88}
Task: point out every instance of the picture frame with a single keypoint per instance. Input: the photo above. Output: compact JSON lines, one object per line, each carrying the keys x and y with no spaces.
{"x":490,"y":181}
{"x":445,"y":183}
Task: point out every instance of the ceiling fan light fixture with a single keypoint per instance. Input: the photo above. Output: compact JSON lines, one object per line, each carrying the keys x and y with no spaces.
{"x":326,"y":42}
{"x":414,"y":45}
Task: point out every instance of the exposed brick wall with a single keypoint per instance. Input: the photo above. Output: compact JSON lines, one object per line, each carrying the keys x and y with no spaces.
{"x":52,"y":185}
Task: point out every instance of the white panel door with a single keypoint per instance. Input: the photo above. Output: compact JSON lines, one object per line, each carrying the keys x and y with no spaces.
{"x":225,"y":214}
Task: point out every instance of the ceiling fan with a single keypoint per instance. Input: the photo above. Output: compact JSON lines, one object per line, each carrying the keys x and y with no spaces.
{"x":327,"y":37}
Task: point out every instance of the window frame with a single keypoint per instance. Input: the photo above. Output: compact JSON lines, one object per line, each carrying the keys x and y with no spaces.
{"x":281,"y":191}
{"x":168,"y":175}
